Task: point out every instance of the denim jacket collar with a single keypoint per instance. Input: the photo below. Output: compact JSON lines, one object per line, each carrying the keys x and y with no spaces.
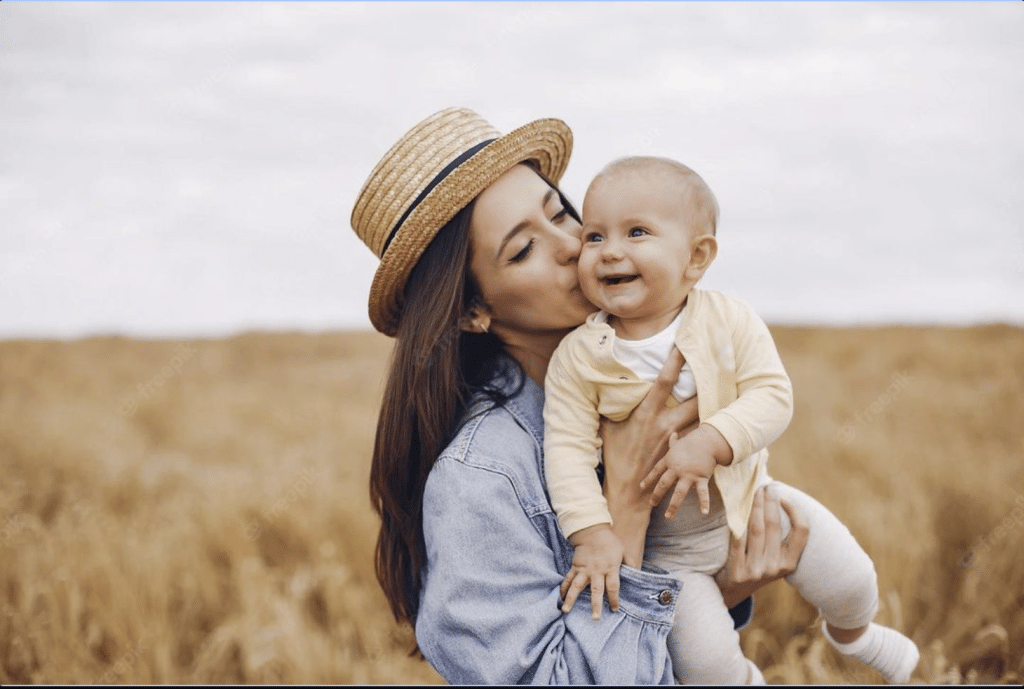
{"x":526,"y":406}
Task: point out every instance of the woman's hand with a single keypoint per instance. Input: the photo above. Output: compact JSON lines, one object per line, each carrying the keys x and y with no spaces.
{"x":632,"y":447}
{"x":761,"y":556}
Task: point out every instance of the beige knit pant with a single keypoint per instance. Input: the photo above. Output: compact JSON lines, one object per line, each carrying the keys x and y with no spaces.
{"x":834,"y":574}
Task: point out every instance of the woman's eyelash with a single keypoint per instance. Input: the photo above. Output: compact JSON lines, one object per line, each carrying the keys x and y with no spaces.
{"x":522,"y":253}
{"x":525,"y":251}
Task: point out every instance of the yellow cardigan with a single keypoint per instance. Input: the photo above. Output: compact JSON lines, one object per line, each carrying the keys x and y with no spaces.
{"x":742,"y":390}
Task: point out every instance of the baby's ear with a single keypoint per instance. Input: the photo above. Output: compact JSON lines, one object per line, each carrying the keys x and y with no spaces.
{"x":702,"y":253}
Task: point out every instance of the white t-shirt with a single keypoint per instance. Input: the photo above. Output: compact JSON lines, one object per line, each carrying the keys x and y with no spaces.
{"x":646,"y":357}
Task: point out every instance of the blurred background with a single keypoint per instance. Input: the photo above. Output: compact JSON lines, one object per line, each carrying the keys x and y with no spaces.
{"x":189,"y":385}
{"x":183,"y":169}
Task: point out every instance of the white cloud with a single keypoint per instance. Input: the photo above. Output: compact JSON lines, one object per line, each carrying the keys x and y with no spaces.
{"x":226,"y":143}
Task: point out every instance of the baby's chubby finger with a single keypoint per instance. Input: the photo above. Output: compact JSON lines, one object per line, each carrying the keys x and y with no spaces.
{"x":613,"y":591}
{"x":579,"y":583}
{"x":661,"y":489}
{"x":704,"y":495}
{"x":563,"y":588}
{"x":682,"y":488}
{"x":653,"y":474}
{"x":596,"y":596}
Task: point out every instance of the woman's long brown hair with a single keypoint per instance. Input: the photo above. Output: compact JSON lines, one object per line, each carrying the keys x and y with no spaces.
{"x":435,"y":369}
{"x":425,"y":396}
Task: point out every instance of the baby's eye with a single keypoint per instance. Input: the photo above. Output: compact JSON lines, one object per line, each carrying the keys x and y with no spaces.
{"x":591,"y":237}
{"x":637,"y":232}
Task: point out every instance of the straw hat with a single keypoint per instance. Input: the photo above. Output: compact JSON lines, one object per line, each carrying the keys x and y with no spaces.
{"x":434,"y":170}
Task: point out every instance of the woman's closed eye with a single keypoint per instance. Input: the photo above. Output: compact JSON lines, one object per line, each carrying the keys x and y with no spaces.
{"x":522,"y":253}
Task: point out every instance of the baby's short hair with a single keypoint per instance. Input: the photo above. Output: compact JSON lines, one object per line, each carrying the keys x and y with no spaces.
{"x":695,"y":192}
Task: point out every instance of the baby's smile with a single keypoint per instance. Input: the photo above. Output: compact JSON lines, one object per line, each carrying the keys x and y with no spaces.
{"x":617,"y":279}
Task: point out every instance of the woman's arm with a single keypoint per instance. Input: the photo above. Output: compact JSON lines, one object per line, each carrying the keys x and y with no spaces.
{"x":632,"y":447}
{"x":489,"y":606}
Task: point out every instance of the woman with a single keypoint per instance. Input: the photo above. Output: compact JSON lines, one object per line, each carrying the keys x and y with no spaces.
{"x":477,"y":283}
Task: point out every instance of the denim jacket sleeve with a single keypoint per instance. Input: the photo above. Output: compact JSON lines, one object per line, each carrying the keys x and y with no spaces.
{"x":489,"y":607}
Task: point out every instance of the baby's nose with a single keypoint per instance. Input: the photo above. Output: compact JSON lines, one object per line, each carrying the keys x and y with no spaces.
{"x":610,"y":251}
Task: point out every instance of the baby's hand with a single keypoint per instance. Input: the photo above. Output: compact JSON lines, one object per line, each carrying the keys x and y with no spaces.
{"x":688,"y":463}
{"x":596,"y":562}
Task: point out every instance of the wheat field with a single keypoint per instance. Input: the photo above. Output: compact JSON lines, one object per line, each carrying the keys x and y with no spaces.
{"x":197,"y":511}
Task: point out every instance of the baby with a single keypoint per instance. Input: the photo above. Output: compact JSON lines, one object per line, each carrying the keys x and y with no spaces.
{"x":648,"y":237}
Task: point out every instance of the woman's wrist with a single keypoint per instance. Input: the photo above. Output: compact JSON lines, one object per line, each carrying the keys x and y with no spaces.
{"x":734,"y":593}
{"x":631,"y":514}
{"x":631,"y":533}
{"x":631,"y":449}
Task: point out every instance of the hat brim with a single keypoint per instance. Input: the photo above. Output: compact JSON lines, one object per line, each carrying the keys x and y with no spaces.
{"x":548,"y":142}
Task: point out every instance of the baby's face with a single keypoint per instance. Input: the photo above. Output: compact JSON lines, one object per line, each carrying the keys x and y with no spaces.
{"x":637,"y":239}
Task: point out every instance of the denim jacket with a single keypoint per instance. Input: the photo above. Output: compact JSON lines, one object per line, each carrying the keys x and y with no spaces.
{"x":489,"y":608}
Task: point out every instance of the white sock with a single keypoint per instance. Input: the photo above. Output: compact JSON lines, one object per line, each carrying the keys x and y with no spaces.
{"x":883,"y":649}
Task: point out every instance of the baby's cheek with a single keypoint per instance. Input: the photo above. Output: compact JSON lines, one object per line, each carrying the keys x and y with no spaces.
{"x":592,"y":293}
{"x":585,"y":270}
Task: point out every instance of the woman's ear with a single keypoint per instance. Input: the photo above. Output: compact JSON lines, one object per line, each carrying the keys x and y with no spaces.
{"x":702,"y":253}
{"x":477,"y":320}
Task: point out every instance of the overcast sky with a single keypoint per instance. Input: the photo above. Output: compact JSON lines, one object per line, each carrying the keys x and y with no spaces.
{"x":189,"y":169}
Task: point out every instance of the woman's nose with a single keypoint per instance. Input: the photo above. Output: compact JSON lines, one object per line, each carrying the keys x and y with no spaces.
{"x":568,"y":247}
